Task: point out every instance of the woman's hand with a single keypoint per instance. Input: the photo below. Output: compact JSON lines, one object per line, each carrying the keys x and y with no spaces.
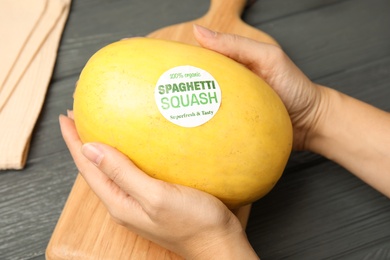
{"x":187,"y":221}
{"x":299,"y":94}
{"x":348,"y":131}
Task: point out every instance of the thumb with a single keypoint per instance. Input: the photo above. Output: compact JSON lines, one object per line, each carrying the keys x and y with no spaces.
{"x":267,"y":61}
{"x":258,"y":57}
{"x":120,"y":169}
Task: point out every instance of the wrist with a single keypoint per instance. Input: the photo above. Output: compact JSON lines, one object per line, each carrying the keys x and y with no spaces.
{"x":320,"y":132}
{"x":340,"y":132}
{"x":354,"y":135}
{"x":235,"y":246}
{"x":228,"y":241}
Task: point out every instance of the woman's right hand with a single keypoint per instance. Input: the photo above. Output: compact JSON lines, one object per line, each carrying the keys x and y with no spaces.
{"x":341,"y":128}
{"x":299,"y":94}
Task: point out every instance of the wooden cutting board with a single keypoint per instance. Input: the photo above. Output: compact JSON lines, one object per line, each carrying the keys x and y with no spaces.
{"x":85,"y":229}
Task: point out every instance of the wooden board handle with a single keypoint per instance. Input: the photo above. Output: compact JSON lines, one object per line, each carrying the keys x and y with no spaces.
{"x":226,"y":8}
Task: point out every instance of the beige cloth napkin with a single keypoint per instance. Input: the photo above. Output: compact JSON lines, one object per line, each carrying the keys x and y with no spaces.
{"x":26,"y":70}
{"x":16,"y":30}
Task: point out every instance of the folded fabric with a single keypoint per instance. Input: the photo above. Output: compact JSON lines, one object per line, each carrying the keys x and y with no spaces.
{"x":24,"y":88}
{"x":16,"y":31}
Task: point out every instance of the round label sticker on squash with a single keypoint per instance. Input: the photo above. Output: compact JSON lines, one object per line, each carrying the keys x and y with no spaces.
{"x":187,"y":96}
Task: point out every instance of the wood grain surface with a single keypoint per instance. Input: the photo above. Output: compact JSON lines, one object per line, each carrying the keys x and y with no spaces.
{"x":222,"y":16}
{"x":318,"y":210}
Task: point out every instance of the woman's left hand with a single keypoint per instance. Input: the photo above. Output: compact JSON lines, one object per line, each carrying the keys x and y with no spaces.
{"x":184,"y":220}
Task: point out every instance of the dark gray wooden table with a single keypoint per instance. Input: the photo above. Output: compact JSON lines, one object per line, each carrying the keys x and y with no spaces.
{"x":318,"y":210}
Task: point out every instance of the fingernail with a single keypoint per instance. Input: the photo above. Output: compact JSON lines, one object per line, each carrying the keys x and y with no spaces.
{"x":92,"y":152}
{"x":204,"y":31}
{"x":70,"y":113}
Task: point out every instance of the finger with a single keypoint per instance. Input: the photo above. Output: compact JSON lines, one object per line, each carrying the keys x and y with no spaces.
{"x":70,"y":135}
{"x":117,"y":201}
{"x":91,"y":174}
{"x":123,"y":172}
{"x":254,"y":55}
{"x":70,"y":114}
{"x":101,"y":184}
{"x":266,"y":60}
